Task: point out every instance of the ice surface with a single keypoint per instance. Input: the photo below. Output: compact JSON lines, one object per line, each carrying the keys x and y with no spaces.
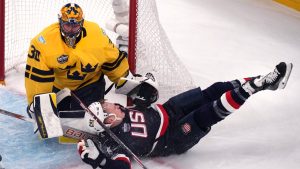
{"x":217,"y":40}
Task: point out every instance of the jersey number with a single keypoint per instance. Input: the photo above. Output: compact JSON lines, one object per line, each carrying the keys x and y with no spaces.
{"x":34,"y":53}
{"x":138,"y":123}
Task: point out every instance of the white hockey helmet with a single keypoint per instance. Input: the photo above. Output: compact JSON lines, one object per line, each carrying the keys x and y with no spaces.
{"x":96,"y":108}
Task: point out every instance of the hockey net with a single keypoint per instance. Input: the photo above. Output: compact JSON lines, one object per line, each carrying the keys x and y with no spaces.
{"x":150,"y":52}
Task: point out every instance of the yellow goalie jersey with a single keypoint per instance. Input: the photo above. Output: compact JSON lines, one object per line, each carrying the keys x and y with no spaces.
{"x":51,"y":63}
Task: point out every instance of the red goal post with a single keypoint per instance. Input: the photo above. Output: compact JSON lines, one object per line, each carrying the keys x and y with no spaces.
{"x":2,"y":41}
{"x":149,"y":47}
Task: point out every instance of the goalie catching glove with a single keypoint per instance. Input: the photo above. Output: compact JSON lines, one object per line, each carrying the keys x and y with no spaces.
{"x":142,"y":89}
{"x":91,"y":154}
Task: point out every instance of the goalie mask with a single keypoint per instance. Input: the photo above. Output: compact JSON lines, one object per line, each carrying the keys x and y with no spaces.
{"x":71,"y":22}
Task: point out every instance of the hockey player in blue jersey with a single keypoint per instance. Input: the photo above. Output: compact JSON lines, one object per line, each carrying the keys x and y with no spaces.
{"x":175,"y":126}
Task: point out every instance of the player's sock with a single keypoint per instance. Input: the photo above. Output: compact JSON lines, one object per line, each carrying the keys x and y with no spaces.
{"x":230,"y":101}
{"x":217,"y":110}
{"x":217,"y":89}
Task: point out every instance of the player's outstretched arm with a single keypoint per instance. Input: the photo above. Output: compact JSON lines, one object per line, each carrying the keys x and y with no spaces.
{"x":90,"y":153}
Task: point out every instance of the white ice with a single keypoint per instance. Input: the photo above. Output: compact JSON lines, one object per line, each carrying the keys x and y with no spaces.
{"x":217,"y":40}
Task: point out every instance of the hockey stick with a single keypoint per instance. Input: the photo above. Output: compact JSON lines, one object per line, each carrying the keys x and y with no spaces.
{"x":108,"y":89}
{"x":67,"y":131}
{"x":18,"y":116}
{"x":111,"y":134}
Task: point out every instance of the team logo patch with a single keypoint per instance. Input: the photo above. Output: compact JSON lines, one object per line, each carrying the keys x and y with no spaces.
{"x":186,"y":128}
{"x":126,"y":127}
{"x":42,"y":40}
{"x":63,"y":59}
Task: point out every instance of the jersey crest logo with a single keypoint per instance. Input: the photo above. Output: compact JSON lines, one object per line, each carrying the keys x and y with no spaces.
{"x":75,"y":75}
{"x":63,"y":59}
{"x":126,"y":127}
{"x":88,"y":68}
{"x":186,"y":128}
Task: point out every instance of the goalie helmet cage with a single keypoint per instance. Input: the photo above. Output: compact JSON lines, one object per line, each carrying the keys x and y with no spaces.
{"x":149,"y":48}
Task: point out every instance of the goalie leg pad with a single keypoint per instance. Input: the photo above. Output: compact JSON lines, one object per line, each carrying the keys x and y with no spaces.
{"x":46,"y":115}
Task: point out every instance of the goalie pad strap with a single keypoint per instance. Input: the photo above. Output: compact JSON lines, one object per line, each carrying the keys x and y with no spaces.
{"x":71,"y":114}
{"x":62,"y":94}
{"x":39,"y":118}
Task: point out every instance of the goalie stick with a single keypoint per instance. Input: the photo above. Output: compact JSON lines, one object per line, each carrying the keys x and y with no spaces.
{"x":111,"y":134}
{"x":67,"y":131}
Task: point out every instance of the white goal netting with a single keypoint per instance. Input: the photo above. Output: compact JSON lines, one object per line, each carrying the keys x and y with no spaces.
{"x":25,"y":18}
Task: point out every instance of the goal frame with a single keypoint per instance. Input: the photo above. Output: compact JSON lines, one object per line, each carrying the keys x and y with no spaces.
{"x":132,"y":35}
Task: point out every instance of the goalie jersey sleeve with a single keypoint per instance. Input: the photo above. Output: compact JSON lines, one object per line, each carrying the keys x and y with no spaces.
{"x":39,"y":77}
{"x":51,"y":63}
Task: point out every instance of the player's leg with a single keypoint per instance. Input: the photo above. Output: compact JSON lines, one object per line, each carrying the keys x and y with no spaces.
{"x":186,"y":102}
{"x":196,"y":125}
{"x":217,"y":89}
{"x":232,"y":100}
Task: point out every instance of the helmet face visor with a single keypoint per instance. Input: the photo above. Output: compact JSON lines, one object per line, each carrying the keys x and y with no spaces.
{"x":71,"y":29}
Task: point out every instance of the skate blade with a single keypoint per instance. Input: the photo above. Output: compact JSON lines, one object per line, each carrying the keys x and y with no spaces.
{"x":286,"y":77}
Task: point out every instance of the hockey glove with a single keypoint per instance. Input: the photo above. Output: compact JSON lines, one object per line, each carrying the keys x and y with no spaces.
{"x":146,"y":93}
{"x":143,"y":90}
{"x":91,"y":154}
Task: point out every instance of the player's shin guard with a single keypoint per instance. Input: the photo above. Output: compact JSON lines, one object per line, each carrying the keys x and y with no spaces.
{"x":187,"y":133}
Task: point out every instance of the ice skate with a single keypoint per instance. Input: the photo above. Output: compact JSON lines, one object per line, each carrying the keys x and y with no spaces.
{"x":274,"y":80}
